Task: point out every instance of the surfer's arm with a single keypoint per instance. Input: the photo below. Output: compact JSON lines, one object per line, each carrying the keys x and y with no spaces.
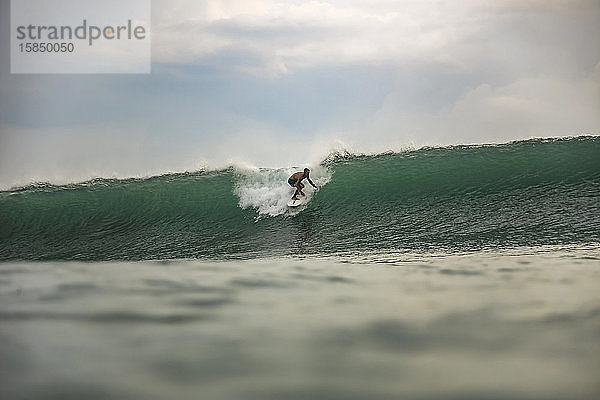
{"x":311,"y":182}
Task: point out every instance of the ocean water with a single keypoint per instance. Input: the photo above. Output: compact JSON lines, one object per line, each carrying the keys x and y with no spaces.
{"x":465,"y":198}
{"x":478,"y":326}
{"x":467,"y":272}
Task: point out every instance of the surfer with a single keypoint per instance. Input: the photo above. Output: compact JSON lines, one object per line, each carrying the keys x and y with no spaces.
{"x":296,"y":181}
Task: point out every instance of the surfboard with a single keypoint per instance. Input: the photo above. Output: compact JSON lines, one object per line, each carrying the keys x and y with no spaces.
{"x":296,"y":203}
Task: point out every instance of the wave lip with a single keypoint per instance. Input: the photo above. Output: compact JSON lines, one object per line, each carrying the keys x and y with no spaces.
{"x":540,"y":192}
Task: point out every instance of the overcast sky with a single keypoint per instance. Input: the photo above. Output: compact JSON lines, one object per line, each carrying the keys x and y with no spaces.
{"x":279,"y":83}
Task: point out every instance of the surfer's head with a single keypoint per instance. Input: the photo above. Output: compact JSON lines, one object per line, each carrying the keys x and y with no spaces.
{"x":306,"y":171}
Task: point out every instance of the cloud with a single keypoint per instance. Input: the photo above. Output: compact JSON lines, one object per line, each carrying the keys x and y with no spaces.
{"x":65,"y":155}
{"x":282,"y":37}
{"x":288,"y":36}
{"x":275,"y":83}
{"x":530,"y":107}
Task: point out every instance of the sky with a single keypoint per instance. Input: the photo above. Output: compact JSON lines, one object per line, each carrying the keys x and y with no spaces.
{"x":278,"y":83}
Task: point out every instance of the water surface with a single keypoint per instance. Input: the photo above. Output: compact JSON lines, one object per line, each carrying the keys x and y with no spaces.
{"x":475,"y":326}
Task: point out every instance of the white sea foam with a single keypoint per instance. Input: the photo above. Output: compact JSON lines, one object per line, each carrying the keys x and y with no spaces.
{"x":267,"y":190}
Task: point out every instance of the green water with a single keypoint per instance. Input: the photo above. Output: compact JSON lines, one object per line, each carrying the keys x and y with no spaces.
{"x":456,"y":199}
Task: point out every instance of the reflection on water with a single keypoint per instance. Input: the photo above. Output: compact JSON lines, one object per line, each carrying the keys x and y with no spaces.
{"x":463,"y":327}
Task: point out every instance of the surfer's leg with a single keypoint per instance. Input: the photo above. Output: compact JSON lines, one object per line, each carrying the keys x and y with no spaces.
{"x":300,"y":187}
{"x":295,"y":196}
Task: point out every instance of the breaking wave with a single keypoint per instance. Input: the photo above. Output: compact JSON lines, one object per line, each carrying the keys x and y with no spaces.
{"x":528,"y":193}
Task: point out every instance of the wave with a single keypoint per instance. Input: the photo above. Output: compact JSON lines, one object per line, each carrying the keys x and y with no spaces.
{"x":537,"y":192}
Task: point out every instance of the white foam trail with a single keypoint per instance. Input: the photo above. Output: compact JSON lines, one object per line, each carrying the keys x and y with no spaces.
{"x":267,"y":190}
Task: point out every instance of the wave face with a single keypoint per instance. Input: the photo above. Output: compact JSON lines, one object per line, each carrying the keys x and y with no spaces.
{"x":454,"y":199}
